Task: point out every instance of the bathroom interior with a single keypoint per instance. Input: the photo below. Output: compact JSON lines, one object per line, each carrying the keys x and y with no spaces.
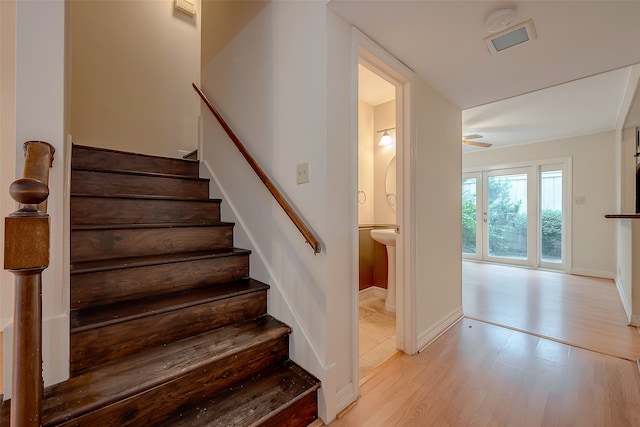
{"x":376,"y":220}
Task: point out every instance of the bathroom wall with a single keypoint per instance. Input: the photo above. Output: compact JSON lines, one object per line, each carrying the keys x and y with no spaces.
{"x":373,"y":208}
{"x":366,"y":133}
{"x":373,"y":161}
{"x":384,"y":116}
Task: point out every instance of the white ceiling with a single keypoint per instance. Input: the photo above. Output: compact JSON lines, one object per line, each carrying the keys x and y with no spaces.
{"x":442,"y":41}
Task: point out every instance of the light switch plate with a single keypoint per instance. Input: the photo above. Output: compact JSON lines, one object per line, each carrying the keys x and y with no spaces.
{"x":186,"y":6}
{"x":302,"y":173}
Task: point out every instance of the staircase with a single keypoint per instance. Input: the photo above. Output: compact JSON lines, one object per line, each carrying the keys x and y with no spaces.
{"x":167,"y":329}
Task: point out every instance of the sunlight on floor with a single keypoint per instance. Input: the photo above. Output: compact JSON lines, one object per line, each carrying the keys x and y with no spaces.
{"x":582,"y":311}
{"x":377,"y":334}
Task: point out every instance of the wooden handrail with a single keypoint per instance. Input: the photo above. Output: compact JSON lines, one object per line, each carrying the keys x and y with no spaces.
{"x":291,"y":213}
{"x":26,"y":255}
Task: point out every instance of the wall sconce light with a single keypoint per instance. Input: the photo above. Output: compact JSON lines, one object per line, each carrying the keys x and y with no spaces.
{"x":386,"y":139}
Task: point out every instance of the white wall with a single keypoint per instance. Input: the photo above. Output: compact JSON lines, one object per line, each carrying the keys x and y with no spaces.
{"x":625,"y":229}
{"x":7,"y":141}
{"x":628,"y":231}
{"x":594,"y":178}
{"x":7,"y":162}
{"x":271,"y":84}
{"x":365,"y":164}
{"x":132,"y":65}
{"x":283,"y":83}
{"x":438,"y":205}
{"x":39,"y":115}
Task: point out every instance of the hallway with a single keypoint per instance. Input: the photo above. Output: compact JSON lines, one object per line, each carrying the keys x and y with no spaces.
{"x":534,"y":371}
{"x":480,"y":374}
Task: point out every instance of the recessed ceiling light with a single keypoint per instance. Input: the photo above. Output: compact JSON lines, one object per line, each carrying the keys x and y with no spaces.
{"x":512,"y":36}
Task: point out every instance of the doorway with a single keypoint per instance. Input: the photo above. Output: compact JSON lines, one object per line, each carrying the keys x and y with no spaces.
{"x":376,"y":59}
{"x":377,"y":197}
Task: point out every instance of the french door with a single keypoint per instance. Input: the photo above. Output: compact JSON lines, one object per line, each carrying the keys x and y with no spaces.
{"x":514,"y":216}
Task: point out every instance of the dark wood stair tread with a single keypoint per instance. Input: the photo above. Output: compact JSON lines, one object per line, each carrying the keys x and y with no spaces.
{"x":129,"y":153}
{"x":253,"y":402}
{"x":129,"y":376}
{"x":95,"y":242}
{"x":93,"y":158}
{"x":145,"y":197}
{"x":96,"y":317}
{"x":133,"y":183}
{"x":139,"y":173}
{"x":81,"y":227}
{"x":143,"y":261}
{"x":101,"y":209}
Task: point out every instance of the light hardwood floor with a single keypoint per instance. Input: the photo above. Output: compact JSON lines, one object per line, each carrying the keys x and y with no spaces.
{"x":484,"y":375}
{"x":582,"y":311}
{"x":479,"y":373}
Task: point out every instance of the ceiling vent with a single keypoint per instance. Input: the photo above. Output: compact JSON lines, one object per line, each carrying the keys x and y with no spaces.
{"x":512,"y":36}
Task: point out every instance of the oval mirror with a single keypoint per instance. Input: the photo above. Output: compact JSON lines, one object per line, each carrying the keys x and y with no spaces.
{"x":390,"y":183}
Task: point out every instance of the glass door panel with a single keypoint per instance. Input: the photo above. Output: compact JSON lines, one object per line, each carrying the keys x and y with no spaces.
{"x":551,"y":216}
{"x":471,"y":216}
{"x":507,"y":216}
{"x":517,"y":215}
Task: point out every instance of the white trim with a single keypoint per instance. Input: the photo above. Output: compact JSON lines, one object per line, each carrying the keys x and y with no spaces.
{"x":365,"y":50}
{"x":631,"y":91}
{"x":567,"y":256}
{"x":345,"y":397}
{"x":428,"y":336}
{"x":635,"y":321}
{"x":513,"y":165}
{"x":625,"y":303}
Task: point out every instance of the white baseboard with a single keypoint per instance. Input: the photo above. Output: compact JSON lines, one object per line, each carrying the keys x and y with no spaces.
{"x":426,"y":337}
{"x":373,"y":291}
{"x":623,"y":298}
{"x":635,"y":320}
{"x":345,"y":397}
{"x":593,"y":273}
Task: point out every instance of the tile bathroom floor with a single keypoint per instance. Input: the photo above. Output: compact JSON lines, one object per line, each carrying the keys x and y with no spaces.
{"x":377,"y":334}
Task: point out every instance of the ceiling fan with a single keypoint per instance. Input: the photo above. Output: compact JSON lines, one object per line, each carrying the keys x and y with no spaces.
{"x":466,"y":140}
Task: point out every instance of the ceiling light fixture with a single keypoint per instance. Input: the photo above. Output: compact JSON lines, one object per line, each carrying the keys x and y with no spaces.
{"x":511,"y":36}
{"x":386,"y":139}
{"x":499,"y":20}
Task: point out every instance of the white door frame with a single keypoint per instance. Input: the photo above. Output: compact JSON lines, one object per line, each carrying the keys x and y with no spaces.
{"x":366,"y":51}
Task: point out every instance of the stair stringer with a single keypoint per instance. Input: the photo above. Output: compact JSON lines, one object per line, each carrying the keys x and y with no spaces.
{"x":302,"y":348}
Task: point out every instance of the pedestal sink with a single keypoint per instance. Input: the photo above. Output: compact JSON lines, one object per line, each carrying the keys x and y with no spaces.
{"x":388,"y":238}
